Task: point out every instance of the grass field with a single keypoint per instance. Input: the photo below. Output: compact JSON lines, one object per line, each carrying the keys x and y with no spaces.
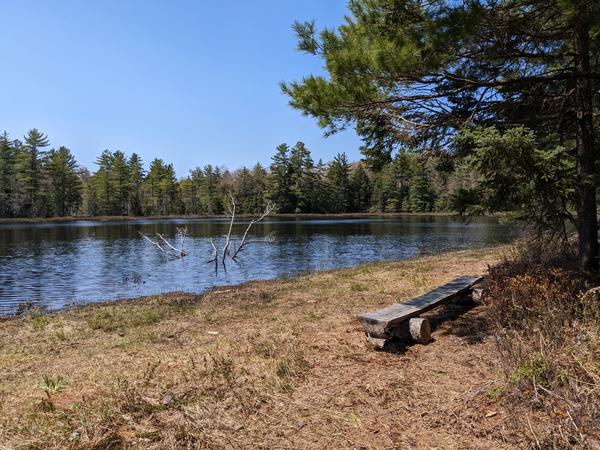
{"x":276,"y":364}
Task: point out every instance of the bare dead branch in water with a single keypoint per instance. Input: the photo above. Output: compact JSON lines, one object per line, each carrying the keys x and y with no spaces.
{"x":156,"y":243}
{"x":228,"y":235}
{"x":228,"y":247}
{"x":213,"y":255}
{"x":182,"y":232}
{"x":180,"y":251}
{"x":169,"y":249}
{"x":268,"y":239}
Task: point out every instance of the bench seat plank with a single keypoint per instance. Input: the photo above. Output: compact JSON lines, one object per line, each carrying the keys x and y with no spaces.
{"x":381,"y":323}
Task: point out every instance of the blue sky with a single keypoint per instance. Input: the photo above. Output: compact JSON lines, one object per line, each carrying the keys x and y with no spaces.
{"x":192,"y":82}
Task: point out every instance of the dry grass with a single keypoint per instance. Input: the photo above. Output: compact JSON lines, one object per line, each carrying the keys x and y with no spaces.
{"x":278,"y":364}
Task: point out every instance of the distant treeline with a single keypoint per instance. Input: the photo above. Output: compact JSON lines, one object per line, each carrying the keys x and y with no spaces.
{"x":36,"y":181}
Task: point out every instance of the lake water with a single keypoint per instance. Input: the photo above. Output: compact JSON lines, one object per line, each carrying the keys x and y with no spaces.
{"x":56,"y":265}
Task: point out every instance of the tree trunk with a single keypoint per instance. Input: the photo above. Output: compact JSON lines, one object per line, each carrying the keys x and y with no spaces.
{"x":586,"y":207}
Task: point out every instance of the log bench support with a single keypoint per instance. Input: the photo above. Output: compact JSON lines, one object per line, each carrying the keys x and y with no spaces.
{"x":402,"y":319}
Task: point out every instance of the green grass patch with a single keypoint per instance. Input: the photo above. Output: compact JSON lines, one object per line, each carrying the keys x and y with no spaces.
{"x":495,"y":392}
{"x":533,"y":371}
{"x":39,"y":321}
{"x":312,"y":315}
{"x":358,"y":287}
{"x":111,"y":319}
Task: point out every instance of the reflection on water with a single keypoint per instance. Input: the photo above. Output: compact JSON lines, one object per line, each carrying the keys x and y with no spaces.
{"x":55,"y":265}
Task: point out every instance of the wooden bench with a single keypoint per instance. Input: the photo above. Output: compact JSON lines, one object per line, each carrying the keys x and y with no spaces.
{"x":402,"y":319}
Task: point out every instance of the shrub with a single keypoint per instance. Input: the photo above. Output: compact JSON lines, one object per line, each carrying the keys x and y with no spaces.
{"x":546,"y":321}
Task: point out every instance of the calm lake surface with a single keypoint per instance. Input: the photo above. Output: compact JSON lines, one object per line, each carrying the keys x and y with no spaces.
{"x":57,"y":265}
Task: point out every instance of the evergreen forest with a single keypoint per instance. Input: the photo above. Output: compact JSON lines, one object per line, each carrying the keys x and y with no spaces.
{"x":38,"y":180}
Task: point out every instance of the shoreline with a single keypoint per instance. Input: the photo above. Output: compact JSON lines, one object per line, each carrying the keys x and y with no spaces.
{"x":215,"y":290}
{"x":100,"y":219}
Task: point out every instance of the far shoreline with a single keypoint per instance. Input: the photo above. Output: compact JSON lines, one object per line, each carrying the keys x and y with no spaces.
{"x":297,"y":216}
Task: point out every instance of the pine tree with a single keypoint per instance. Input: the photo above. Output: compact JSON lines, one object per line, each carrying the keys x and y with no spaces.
{"x":120,"y":181}
{"x":210,"y":190}
{"x":302,"y":179}
{"x":7,"y":179}
{"x":154,"y":195}
{"x":28,"y":174}
{"x":360,"y":189}
{"x":413,"y":74}
{"x":420,"y":198}
{"x":280,"y":179}
{"x":259,"y":182}
{"x":120,"y":186}
{"x":338,"y":175}
{"x":243,"y":190}
{"x":440,"y":169}
{"x":387,"y":197}
{"x":136,"y":183}
{"x":188,"y":196}
{"x":89,"y":204}
{"x":63,"y":181}
{"x":321,"y":200}
{"x":102,"y":184}
{"x":196,"y":202}
{"x":169,"y":188}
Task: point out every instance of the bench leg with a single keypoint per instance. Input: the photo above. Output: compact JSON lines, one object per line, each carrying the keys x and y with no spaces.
{"x":420,"y":330}
{"x":377,"y":343}
{"x":416,"y":329}
{"x":477,"y":290}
